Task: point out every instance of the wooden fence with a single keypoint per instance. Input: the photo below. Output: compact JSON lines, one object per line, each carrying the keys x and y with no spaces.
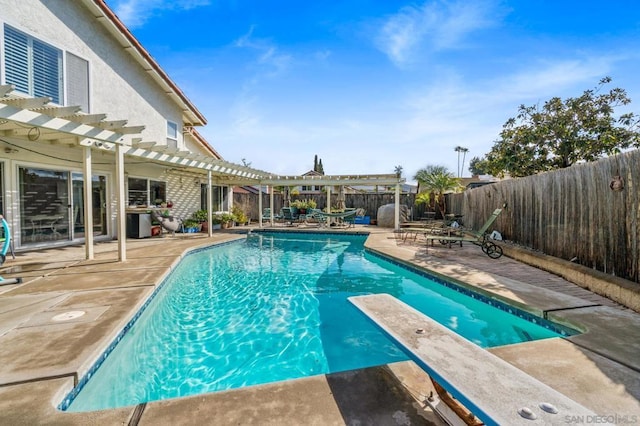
{"x":571,"y":213}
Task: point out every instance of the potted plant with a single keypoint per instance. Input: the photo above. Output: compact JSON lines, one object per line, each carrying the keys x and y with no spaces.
{"x":303,"y":205}
{"x":239,"y":216}
{"x":191,"y":225}
{"x":216,"y":221}
{"x":311,"y":203}
{"x":227,"y":220}
{"x":299,"y":206}
{"x":202,"y":217}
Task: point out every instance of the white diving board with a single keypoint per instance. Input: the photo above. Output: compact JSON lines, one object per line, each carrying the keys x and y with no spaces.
{"x":492,"y":389}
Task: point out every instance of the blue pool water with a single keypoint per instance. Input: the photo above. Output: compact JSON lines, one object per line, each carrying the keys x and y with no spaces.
{"x":274,"y":307}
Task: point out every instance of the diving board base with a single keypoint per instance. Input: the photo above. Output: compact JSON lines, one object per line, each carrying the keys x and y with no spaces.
{"x":495,"y":391}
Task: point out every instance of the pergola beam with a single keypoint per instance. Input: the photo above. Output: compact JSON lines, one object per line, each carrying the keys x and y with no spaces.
{"x":60,"y":111}
{"x":31,"y":119}
{"x":349,"y":180}
{"x":86,"y":118}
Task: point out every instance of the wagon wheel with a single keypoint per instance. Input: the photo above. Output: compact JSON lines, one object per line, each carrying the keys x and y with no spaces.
{"x":492,"y":250}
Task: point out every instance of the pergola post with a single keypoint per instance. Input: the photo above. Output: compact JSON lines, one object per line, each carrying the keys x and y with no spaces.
{"x":260,"y":205}
{"x":121,"y":215}
{"x":397,"y":208}
{"x":88,"y":204}
{"x":271,"y":203}
{"x":209,"y":204}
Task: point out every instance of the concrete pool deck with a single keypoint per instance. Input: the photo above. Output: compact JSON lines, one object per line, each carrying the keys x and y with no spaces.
{"x":41,"y":359}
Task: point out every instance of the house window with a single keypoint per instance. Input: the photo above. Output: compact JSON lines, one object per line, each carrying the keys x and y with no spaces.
{"x":172,"y":134}
{"x":218,"y":196}
{"x":145,"y":192}
{"x":310,"y":188}
{"x":34,"y":67}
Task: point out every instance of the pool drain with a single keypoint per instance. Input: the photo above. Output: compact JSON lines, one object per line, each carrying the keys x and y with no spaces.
{"x":68,"y":316}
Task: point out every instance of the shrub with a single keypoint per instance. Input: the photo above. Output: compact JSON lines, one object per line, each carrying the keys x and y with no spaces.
{"x":238,"y":215}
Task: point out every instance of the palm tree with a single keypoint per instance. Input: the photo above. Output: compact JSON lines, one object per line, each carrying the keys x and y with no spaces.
{"x":435,"y":181}
{"x":464,"y":151}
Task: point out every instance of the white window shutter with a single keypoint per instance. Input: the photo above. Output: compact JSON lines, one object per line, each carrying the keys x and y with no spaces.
{"x":16,"y":59}
{"x":47,"y":66}
{"x":77,"y":82}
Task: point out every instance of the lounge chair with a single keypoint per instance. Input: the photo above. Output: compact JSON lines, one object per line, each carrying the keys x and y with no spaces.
{"x":480,"y":237}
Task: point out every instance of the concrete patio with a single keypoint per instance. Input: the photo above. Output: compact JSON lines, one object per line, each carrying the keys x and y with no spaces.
{"x":41,"y":359}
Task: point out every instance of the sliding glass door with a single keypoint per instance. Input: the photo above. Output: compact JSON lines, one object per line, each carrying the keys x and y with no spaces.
{"x":99,"y":206}
{"x":52,"y":205}
{"x":44,"y":205}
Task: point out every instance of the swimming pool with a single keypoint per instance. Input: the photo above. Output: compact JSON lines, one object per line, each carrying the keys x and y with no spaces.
{"x":274,"y":307}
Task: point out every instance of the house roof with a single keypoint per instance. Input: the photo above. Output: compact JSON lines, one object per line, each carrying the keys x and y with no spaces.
{"x":202,"y":141}
{"x":106,"y":17}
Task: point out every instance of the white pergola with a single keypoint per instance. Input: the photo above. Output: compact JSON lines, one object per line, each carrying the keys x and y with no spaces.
{"x":337,"y":180}
{"x":33,"y":119}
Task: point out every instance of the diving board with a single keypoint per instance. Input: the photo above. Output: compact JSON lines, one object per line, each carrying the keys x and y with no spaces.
{"x":492,"y":389}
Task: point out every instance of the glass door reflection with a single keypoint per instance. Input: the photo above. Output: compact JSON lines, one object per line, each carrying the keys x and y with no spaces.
{"x":44,"y":205}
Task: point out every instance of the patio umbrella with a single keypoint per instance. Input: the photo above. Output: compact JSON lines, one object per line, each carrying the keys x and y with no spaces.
{"x":341,"y":198}
{"x":287,"y":196}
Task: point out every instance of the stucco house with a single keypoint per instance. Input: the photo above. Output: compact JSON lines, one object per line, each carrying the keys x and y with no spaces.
{"x":82,"y":101}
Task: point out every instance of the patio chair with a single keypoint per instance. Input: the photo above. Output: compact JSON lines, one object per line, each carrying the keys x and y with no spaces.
{"x":266,"y":215}
{"x":480,"y":237}
{"x":170,"y":223}
{"x":288,"y":216}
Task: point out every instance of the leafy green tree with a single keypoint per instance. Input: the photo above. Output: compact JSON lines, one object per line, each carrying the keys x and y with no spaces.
{"x":478,"y":166}
{"x":433,"y":183}
{"x":560,"y":133}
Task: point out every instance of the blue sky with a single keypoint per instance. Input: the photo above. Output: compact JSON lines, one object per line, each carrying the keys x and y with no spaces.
{"x":368,"y":85}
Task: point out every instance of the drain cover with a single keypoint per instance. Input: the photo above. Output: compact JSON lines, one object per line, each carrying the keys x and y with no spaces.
{"x":68,"y":316}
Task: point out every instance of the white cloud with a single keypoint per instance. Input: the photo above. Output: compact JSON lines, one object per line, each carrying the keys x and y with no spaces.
{"x":134,"y":13}
{"x":544,"y":79}
{"x":433,"y":26}
{"x":413,"y":129}
{"x":270,"y":60}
